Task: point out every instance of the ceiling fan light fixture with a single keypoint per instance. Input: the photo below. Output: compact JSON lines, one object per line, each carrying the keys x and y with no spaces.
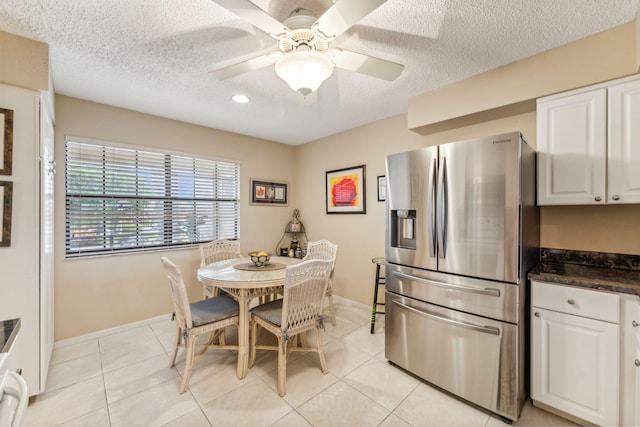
{"x":304,"y":71}
{"x":240,"y":99}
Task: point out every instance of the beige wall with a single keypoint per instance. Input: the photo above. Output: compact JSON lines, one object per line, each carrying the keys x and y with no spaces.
{"x":592,"y":228}
{"x":25,"y":62}
{"x":103,"y":292}
{"x":359,"y":237}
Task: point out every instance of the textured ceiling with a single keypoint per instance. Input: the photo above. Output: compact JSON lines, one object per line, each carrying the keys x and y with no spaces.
{"x":155,"y":56}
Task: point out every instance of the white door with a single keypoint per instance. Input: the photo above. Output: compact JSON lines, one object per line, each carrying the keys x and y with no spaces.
{"x":19,"y":262}
{"x":575,"y":365}
{"x":624,"y":143}
{"x":47,"y":172}
{"x":571,"y":144}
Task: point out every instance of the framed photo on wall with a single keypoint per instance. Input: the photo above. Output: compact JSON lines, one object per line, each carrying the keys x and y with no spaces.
{"x":270,"y":193}
{"x":6,"y":189}
{"x":345,"y":191}
{"x":6,"y":141}
{"x":382,"y":188}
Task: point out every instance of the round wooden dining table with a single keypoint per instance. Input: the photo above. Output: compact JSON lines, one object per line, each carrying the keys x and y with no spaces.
{"x":245,"y":282}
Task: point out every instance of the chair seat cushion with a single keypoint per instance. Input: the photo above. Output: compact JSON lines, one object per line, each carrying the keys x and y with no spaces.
{"x":213,"y":310}
{"x":271,"y":312}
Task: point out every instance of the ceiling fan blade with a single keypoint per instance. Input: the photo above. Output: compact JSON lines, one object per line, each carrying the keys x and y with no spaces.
{"x":246,"y":66}
{"x":382,"y":36}
{"x":365,"y":64}
{"x":254,"y":15}
{"x":343,"y":14}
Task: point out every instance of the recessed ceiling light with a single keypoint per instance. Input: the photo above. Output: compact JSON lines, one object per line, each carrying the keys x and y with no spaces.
{"x":240,"y":99}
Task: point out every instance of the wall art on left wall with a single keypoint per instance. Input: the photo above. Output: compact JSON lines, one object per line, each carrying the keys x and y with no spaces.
{"x":6,"y":190}
{"x":6,"y":140}
{"x":265,"y":192}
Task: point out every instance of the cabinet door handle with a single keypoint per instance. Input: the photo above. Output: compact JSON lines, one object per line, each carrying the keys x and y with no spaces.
{"x":537,"y":314}
{"x":637,"y":362}
{"x":598,"y":198}
{"x":634,"y":324}
{"x":615,"y":197}
{"x":571,"y":301}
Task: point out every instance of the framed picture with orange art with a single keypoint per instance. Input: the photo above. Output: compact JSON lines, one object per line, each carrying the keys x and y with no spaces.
{"x":265,"y":192}
{"x":345,"y":192}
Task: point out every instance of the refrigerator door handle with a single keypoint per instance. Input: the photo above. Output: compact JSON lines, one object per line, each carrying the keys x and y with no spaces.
{"x":433,"y":178}
{"x":443,"y":196}
{"x":445,"y":203}
{"x":478,"y":328}
{"x":483,"y":291}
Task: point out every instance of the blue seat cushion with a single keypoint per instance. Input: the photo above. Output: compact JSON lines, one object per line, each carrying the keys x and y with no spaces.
{"x":213,"y":310}
{"x":271,"y":312}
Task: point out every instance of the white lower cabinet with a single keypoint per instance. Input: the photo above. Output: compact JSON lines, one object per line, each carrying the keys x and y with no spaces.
{"x":630,"y":361}
{"x":575,"y":352}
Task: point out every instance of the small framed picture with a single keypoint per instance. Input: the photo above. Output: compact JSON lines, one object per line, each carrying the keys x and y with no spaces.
{"x":270,"y":193}
{"x":6,"y":189}
{"x":382,"y":188}
{"x":6,"y":140}
{"x":345,"y":191}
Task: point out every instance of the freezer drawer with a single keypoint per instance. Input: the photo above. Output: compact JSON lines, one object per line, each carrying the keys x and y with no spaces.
{"x":496,"y":300}
{"x":473,"y":357}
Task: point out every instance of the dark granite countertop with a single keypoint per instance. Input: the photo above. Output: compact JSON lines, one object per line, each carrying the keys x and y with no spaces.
{"x":585,"y":276}
{"x":8,"y":332}
{"x":598,"y":271}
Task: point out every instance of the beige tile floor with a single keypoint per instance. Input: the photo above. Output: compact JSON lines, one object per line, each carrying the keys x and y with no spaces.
{"x":122,"y":379}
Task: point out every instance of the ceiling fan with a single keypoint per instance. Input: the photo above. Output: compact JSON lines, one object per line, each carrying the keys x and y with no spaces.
{"x":304,"y":56}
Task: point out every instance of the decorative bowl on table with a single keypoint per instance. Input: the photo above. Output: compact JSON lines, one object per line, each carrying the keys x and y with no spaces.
{"x":260,"y":259}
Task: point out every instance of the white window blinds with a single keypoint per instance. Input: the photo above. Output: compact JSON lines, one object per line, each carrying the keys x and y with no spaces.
{"x":121,"y":199}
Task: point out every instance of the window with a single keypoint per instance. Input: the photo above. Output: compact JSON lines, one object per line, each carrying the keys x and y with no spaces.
{"x":125,"y":199}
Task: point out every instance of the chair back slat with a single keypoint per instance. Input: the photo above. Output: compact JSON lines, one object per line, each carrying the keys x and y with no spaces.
{"x":304,"y":288}
{"x":219,"y":250}
{"x":322,"y":249}
{"x":179,"y":294}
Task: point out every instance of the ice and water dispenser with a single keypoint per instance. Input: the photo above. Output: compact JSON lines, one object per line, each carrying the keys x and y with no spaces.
{"x":403,"y":228}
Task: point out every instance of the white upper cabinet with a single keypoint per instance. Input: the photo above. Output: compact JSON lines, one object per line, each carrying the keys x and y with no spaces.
{"x":623,"y":185}
{"x":589,"y":145}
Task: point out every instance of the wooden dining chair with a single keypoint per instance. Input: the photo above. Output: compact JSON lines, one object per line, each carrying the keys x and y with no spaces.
{"x":217,"y":250}
{"x":299,"y":311}
{"x":209,"y":316}
{"x":324,"y":249}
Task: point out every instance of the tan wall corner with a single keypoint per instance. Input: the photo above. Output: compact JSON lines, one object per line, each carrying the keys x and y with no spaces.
{"x":25,"y":62}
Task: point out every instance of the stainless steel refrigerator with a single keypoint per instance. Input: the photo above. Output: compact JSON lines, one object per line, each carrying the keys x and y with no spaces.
{"x":462,"y":232}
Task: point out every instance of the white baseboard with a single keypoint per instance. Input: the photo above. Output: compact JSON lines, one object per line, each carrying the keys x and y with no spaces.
{"x":105,"y":332}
